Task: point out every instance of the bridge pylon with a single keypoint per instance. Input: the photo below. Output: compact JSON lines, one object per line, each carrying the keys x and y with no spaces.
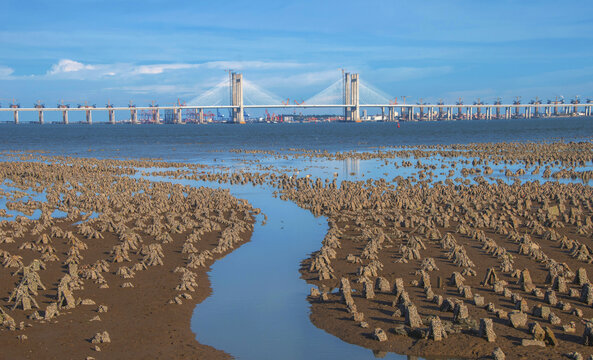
{"x":237,"y":98}
{"x":351,"y":97}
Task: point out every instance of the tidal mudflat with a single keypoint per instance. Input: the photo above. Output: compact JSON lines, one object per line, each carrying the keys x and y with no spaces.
{"x":478,"y":250}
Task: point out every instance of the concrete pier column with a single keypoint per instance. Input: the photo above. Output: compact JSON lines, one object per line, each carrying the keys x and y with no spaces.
{"x":201,"y":116}
{"x":89,"y":117}
{"x":133,"y":115}
{"x":156,"y":116}
{"x":40,"y":107}
{"x":411,"y":117}
{"x":111,"y":117}
{"x":382,"y":113}
{"x":16,"y":116}
{"x":178,"y":116}
{"x":65,"y":117}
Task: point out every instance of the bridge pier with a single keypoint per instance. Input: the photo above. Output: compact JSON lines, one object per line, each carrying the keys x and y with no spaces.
{"x":111,"y":116}
{"x":89,"y":117}
{"x":201,"y":116}
{"x":178,"y":116}
{"x":156,"y":115}
{"x":16,"y":117}
{"x":40,"y":107}
{"x":64,"y":113}
{"x":133,"y":115}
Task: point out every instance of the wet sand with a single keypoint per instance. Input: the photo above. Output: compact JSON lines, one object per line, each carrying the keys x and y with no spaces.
{"x":150,"y":319}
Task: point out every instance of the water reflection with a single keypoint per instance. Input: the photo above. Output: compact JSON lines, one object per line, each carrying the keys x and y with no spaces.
{"x":351,"y":167}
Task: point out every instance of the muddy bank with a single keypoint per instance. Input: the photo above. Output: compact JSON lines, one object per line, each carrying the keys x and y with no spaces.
{"x":453,"y":271}
{"x":118,"y":284}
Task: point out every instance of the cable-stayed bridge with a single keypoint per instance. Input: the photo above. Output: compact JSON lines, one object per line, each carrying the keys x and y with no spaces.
{"x":348,"y":94}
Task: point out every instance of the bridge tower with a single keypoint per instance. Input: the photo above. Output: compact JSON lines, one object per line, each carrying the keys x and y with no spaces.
{"x":347,"y":95}
{"x":237,"y":98}
{"x":355,"y":109}
{"x":351,"y":97}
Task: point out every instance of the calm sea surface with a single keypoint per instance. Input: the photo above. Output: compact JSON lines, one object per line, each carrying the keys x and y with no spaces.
{"x":194,"y":142}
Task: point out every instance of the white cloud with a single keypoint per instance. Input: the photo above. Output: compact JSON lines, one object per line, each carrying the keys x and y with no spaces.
{"x":5,"y":72}
{"x":67,"y":66}
{"x":160,"y":68}
{"x":72,"y":69}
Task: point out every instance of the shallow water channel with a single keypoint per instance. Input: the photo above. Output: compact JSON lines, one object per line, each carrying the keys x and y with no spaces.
{"x":258,"y":308}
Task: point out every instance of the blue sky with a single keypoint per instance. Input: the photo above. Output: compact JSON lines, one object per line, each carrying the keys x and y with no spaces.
{"x":99,"y":51}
